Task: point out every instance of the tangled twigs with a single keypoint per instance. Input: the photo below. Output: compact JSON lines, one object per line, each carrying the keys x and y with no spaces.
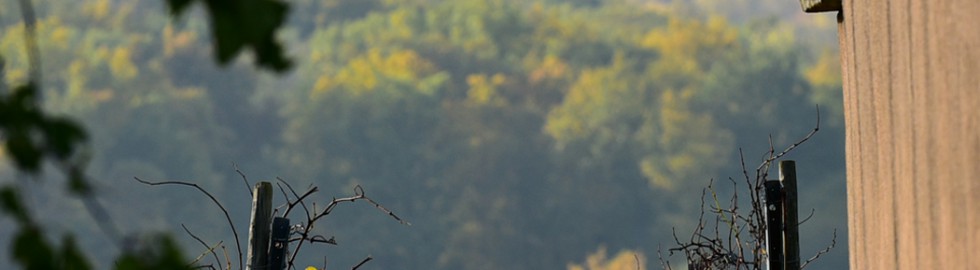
{"x":304,"y":230}
{"x":738,"y":238}
{"x":299,"y":198}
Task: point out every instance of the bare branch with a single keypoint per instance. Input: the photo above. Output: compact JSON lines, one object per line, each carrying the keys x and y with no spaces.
{"x":833,"y":242}
{"x":660,"y":255}
{"x":205,"y":253}
{"x":305,"y":231}
{"x":101,"y":216}
{"x":299,"y":198}
{"x":208,"y":248}
{"x":213,"y":199}
{"x":807,"y":217}
{"x":248,"y":186}
{"x":284,"y":195}
{"x":227,"y":259}
{"x":385,"y":210}
{"x":742,"y":245}
{"x":322,"y":239}
{"x":362,"y":262}
{"x":30,"y":41}
{"x":358,"y":195}
{"x":794,"y":145}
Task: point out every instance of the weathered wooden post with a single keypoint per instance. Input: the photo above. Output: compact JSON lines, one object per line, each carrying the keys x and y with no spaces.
{"x":774,"y":220}
{"x":787,"y":174}
{"x":258,"y":229}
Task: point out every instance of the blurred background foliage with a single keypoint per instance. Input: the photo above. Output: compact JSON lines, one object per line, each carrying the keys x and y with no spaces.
{"x":513,"y":134}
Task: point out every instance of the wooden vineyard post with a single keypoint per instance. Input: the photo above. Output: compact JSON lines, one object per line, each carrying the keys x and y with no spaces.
{"x":258,"y":229}
{"x":280,"y":243}
{"x":774,"y":220}
{"x":782,"y":219}
{"x":787,"y":175}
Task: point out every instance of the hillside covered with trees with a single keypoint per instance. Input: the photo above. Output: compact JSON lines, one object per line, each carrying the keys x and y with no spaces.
{"x":512,"y":134}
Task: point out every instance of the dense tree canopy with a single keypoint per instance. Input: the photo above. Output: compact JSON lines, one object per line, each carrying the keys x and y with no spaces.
{"x":512,"y":134}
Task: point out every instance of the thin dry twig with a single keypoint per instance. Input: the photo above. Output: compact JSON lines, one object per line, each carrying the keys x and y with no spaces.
{"x":743,"y":245}
{"x":204,"y":254}
{"x":299,"y":198}
{"x":389,"y":212}
{"x":314,"y":216}
{"x":812,"y":210}
{"x":30,"y":41}
{"x":794,"y":145}
{"x":209,"y":248}
{"x":101,"y":216}
{"x":304,"y":230}
{"x":660,"y":255}
{"x":833,"y":242}
{"x":365,"y":260}
{"x":227,"y":259}
{"x":244,"y":179}
{"x":213,"y":199}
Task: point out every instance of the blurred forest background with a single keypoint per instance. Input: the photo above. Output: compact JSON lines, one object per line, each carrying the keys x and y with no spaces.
{"x":512,"y":134}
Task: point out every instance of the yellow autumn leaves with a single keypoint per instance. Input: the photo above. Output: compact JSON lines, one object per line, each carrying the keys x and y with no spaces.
{"x":377,"y":70}
{"x":623,"y":260}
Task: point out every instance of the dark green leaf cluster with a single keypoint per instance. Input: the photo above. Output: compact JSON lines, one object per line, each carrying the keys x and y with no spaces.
{"x":30,"y":248}
{"x":162,"y":253}
{"x":240,"y":25}
{"x":32,"y":134}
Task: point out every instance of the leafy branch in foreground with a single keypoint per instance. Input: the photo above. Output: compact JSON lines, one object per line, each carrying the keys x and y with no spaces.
{"x":736,"y":239}
{"x":31,"y":135}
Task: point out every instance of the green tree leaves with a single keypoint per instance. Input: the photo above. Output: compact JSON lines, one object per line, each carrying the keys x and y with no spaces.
{"x":244,"y":25}
{"x":30,"y":248}
{"x":160,"y":253}
{"x":32,"y":134}
{"x":11,"y":204}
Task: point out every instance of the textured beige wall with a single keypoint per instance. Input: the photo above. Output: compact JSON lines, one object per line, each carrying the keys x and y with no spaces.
{"x":912,"y":105}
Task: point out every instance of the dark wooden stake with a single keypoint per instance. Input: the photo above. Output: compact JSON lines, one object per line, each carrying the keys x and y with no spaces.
{"x":280,"y":243}
{"x":774,"y":218}
{"x":258,"y":229}
{"x":787,"y":174}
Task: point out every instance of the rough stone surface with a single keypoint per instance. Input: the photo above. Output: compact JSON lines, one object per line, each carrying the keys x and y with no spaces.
{"x":912,"y":110}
